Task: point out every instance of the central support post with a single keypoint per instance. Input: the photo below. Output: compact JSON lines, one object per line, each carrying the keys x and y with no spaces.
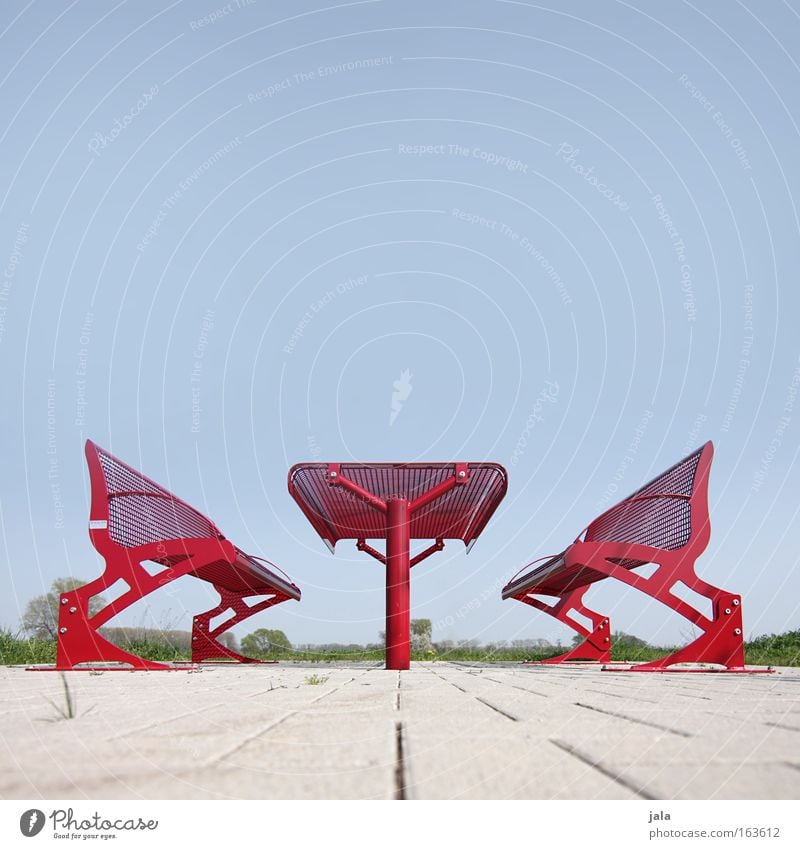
{"x":398,"y":512}
{"x":398,"y":584}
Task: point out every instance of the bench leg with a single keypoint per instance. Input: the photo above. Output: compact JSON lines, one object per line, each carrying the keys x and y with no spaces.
{"x":78,"y":638}
{"x":721,"y":642}
{"x":596,"y":645}
{"x":596,"y":648}
{"x":205,"y":640}
{"x":79,"y":642}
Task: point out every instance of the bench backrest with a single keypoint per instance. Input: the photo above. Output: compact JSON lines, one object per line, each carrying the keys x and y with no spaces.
{"x":139,"y":511}
{"x":664,"y":512}
{"x":668,"y":513}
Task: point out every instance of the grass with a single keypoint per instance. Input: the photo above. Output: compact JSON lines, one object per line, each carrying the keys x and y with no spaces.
{"x":329,"y":657}
{"x":316,"y":679}
{"x":154,"y":650}
{"x":768,"y":650}
{"x":69,"y":708}
{"x":775,"y":649}
{"x":639,"y":654}
{"x":20,"y":650}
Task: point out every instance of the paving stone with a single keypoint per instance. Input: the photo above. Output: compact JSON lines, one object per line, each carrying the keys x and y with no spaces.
{"x":438,"y":731}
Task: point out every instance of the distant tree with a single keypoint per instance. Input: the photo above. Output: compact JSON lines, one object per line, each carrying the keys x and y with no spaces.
{"x":421,"y":635}
{"x":619,"y":639}
{"x":40,"y":618}
{"x":622,"y":640}
{"x":421,"y":631}
{"x":264,"y":642}
{"x":421,"y":627}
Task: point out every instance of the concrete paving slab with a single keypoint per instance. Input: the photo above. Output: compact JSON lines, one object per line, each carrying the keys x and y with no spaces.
{"x":438,"y":731}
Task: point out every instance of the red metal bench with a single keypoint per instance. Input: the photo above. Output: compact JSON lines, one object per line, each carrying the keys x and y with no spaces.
{"x":665,"y":523}
{"x":148,"y":538}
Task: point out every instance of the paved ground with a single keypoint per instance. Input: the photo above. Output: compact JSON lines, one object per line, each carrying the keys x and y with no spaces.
{"x":440,"y":730}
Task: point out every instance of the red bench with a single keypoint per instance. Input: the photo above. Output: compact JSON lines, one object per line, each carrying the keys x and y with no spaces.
{"x":148,"y":538}
{"x":666,"y":524}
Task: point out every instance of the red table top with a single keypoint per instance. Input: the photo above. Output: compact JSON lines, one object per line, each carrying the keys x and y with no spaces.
{"x":336,"y":513}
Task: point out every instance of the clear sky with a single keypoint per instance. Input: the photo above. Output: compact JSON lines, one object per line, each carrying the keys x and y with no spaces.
{"x":227,"y":231}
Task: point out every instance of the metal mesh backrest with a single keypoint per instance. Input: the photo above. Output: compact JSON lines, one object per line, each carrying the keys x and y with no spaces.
{"x":657,"y":515}
{"x":141,"y":512}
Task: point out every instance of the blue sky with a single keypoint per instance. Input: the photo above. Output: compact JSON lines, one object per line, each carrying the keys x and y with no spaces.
{"x":228,"y":230}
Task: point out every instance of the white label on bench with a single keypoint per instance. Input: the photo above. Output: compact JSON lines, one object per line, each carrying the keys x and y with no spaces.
{"x":97,"y":524}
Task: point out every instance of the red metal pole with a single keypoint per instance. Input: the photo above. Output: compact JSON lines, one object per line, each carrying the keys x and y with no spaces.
{"x":398,"y":574}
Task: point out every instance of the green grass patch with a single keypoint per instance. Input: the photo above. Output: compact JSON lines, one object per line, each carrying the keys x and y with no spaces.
{"x":774,"y":649}
{"x":154,"y":650}
{"x":767,"y":650}
{"x":22,"y":650}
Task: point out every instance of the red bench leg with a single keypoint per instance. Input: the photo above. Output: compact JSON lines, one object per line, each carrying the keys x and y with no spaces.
{"x":205,"y":640}
{"x":721,"y":641}
{"x":78,"y":637}
{"x":597,"y":643}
